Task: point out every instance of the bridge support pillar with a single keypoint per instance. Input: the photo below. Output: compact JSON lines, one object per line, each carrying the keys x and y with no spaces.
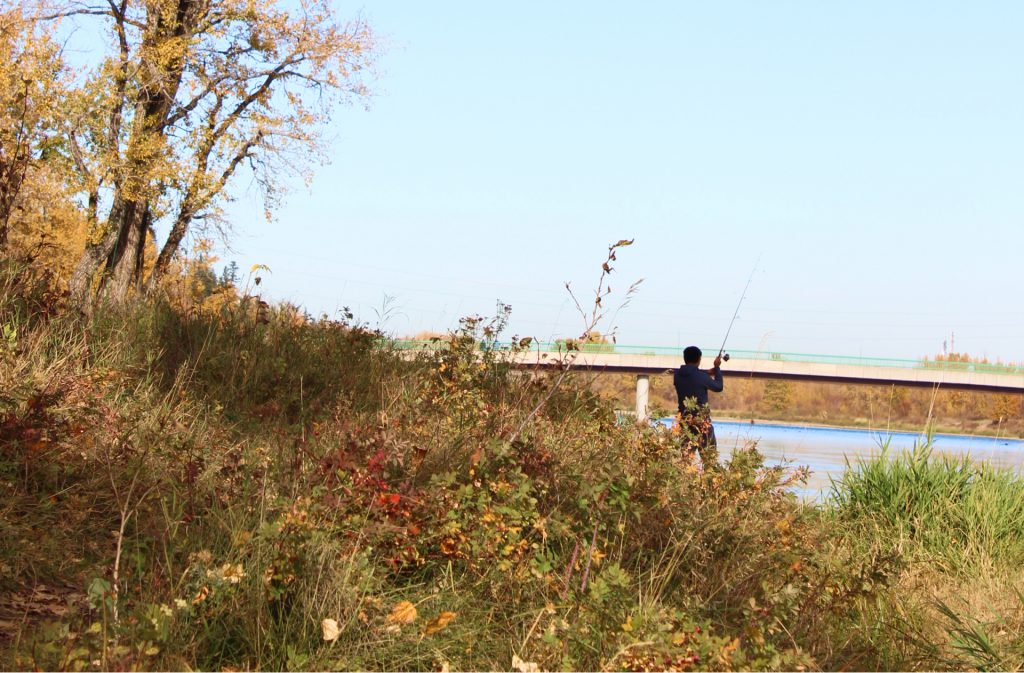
{"x":643,"y":389}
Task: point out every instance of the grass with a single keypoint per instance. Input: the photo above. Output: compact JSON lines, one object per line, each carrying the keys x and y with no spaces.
{"x":958,"y":527}
{"x":954,"y":509}
{"x":222,"y":487}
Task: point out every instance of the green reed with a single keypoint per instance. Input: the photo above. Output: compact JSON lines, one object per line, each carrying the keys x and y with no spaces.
{"x":960,"y":511}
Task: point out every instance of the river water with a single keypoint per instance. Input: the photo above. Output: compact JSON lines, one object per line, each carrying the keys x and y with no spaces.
{"x":825,"y":450}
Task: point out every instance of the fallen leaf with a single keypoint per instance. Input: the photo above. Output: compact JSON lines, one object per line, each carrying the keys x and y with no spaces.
{"x":201,"y":595}
{"x":330,"y":629}
{"x":437,"y":624}
{"x":404,"y":612}
{"x":524,"y":666}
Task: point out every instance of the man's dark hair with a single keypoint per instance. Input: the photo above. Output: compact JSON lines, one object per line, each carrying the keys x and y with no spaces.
{"x":692,"y":355}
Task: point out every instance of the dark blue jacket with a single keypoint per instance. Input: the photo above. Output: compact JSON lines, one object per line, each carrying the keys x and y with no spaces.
{"x":691,"y":381}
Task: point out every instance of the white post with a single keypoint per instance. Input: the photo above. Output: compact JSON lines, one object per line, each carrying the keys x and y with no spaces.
{"x":643,"y":388}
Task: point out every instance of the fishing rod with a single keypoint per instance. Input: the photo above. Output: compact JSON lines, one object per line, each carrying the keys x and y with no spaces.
{"x":737,"y":311}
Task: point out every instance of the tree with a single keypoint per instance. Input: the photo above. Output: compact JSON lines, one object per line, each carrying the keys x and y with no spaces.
{"x":191,"y":92}
{"x":33,"y":173}
{"x":1005,"y":407}
{"x":777,"y":395}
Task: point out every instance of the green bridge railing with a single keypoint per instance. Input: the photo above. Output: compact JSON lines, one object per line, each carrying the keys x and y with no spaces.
{"x":624,"y":349}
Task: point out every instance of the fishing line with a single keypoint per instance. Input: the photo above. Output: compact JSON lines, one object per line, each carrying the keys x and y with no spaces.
{"x":737,"y":311}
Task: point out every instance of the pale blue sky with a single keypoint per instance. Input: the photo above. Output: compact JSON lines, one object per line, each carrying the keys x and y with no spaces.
{"x":871,"y":153}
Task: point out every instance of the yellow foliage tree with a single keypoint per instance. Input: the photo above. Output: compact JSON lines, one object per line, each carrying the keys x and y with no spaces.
{"x":39,"y":218}
{"x":1006,"y":407}
{"x":189,"y":93}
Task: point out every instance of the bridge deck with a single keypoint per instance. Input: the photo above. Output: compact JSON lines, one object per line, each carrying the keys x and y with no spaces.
{"x":805,"y":371}
{"x":836,"y":369}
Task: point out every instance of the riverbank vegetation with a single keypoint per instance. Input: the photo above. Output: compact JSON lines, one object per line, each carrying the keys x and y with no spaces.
{"x":228,"y":484}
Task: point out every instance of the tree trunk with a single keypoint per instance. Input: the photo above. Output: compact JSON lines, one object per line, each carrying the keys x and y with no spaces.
{"x":192,"y":204}
{"x":80,"y":285}
{"x":124,"y":264}
{"x":123,"y":246}
{"x":168,"y":251}
{"x":12,"y":175}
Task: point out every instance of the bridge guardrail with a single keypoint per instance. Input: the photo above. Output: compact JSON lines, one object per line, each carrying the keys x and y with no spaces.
{"x":626,"y":349}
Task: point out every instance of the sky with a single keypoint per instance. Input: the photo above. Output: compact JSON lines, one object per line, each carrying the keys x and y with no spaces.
{"x":860,"y":163}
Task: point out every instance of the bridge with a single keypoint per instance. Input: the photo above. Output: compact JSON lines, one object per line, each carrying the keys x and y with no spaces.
{"x":645,"y":361}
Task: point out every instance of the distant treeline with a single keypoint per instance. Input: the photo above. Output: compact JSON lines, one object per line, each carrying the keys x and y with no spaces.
{"x":838,"y":404}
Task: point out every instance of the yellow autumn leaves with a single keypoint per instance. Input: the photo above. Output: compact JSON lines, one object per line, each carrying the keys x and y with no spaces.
{"x":401,"y":614}
{"x":438,"y":623}
{"x":404,"y":612}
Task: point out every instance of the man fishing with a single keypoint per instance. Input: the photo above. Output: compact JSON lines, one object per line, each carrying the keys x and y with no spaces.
{"x":694,"y":420}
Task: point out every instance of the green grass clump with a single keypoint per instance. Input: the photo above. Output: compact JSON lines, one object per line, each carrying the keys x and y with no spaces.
{"x":962,"y":513}
{"x":958,"y":525}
